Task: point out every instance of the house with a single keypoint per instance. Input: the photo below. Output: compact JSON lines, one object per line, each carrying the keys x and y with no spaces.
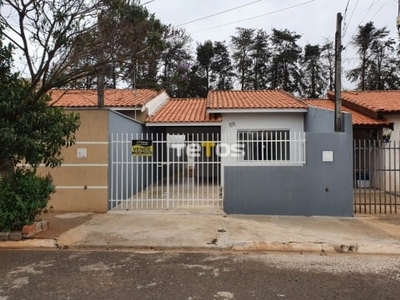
{"x":136,"y":104}
{"x":379,"y":105}
{"x":381,"y":167}
{"x":246,"y":152}
{"x":82,"y":182}
{"x":365,"y":126}
{"x":294,"y":162}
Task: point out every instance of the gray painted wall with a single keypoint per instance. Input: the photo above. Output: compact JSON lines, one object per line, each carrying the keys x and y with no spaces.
{"x":317,"y":188}
{"x":122,"y":175}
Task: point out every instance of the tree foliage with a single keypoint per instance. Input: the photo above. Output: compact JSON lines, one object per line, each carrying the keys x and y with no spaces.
{"x":314,"y":75}
{"x":375,"y":50}
{"x":31,"y":131}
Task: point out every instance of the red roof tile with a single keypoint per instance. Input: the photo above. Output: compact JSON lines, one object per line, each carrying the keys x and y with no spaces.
{"x":184,"y":110}
{"x":375,"y":101}
{"x":264,"y":99}
{"x":112,"y":98}
{"x":358,"y":118}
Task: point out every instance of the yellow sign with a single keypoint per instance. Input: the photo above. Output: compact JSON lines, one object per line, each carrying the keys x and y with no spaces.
{"x":208,"y":145}
{"x":142,"y":148}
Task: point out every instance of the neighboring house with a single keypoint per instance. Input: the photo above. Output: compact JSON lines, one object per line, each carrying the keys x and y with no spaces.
{"x":136,"y":104}
{"x":381,"y":169}
{"x":376,"y":132}
{"x":379,"y":105}
{"x":364,"y":126}
{"x":82,"y":182}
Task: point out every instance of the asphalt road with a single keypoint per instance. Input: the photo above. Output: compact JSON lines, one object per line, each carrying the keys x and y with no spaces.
{"x":64,"y":274}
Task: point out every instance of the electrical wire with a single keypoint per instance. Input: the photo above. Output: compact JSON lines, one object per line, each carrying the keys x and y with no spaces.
{"x":346,"y":26}
{"x":259,"y":16}
{"x":218,"y":13}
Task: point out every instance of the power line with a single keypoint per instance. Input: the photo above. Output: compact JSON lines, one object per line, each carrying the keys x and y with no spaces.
{"x":347,"y":24}
{"x":218,"y":13}
{"x":369,"y":9}
{"x":259,"y":16}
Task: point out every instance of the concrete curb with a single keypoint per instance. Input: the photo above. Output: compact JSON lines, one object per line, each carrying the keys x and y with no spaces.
{"x":307,"y":247}
{"x":31,"y":243}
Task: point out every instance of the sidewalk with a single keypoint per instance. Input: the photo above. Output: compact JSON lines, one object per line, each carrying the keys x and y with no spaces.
{"x":191,"y":230}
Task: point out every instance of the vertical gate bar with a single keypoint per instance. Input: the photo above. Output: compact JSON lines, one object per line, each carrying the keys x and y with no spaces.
{"x":151,"y":187}
{"x":141,"y":161}
{"x":211,"y":179}
{"x":202,"y":171}
{"x":146,"y":163}
{"x":126,"y":167}
{"x":136,"y":163}
{"x":368,"y":176}
{"x":167,"y":183}
{"x":390,"y":177}
{"x":395,"y":167}
{"x":381,"y":174}
{"x":117,"y":169}
{"x":364,"y":174}
{"x":162,"y":161}
{"x":197,"y":167}
{"x":111,"y":195}
{"x":359,"y":174}
{"x":384,"y":175}
{"x":355,"y":204}
{"x":373,"y":174}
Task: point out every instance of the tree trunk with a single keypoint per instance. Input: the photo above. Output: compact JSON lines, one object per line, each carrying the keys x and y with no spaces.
{"x":6,"y":168}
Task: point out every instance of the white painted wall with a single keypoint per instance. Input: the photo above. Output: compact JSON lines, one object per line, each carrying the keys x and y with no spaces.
{"x":396,"y":132}
{"x":153,"y":105}
{"x":233,"y":122}
{"x":391,"y":157}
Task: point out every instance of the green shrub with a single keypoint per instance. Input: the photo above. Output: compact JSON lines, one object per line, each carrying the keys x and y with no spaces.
{"x":22,"y":197}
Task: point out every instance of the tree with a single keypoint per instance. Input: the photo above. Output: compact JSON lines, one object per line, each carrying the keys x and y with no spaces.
{"x":221,"y":68}
{"x":369,"y":42}
{"x":51,"y":37}
{"x":176,"y":60}
{"x":261,"y":60}
{"x":242,"y":45}
{"x":314,"y":80}
{"x":328,"y":57}
{"x":382,"y":72}
{"x":284,"y":72}
{"x":31,"y":131}
{"x":205,"y":54}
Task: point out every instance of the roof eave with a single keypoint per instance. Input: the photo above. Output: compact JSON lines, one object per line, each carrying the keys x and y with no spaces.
{"x":256,"y":110}
{"x":182,"y":124}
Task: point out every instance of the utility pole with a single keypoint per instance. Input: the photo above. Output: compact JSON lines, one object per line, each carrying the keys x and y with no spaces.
{"x":338,"y":74}
{"x":398,"y":18}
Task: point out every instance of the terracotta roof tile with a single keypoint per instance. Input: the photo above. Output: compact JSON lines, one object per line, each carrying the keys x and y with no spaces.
{"x":358,"y":118}
{"x":375,"y":101}
{"x":263,"y":99}
{"x":112,"y":98}
{"x":184,"y":110}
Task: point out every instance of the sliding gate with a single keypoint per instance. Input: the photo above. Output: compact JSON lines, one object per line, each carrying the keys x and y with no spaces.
{"x":162,"y":171}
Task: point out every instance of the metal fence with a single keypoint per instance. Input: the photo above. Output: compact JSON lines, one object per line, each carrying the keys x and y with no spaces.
{"x":156,"y":171}
{"x":376,"y":177}
{"x":169,"y":171}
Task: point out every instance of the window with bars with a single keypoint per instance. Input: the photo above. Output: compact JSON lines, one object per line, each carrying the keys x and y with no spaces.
{"x":265,"y":145}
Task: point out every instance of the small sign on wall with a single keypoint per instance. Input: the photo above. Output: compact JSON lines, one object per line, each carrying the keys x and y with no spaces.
{"x":81,"y":153}
{"x":327,"y":156}
{"x":142,"y":148}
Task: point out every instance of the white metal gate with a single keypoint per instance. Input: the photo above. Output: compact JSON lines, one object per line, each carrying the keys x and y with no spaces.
{"x":159,"y":171}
